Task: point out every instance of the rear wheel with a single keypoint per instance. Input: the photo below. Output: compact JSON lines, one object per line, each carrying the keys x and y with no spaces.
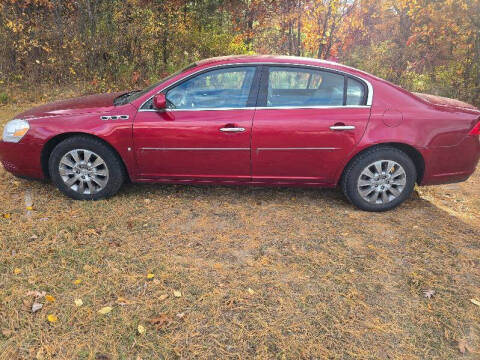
{"x":379,"y":179}
{"x":85,"y":168}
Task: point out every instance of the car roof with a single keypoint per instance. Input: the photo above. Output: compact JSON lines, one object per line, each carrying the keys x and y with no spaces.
{"x":293,"y":60}
{"x":264,"y":59}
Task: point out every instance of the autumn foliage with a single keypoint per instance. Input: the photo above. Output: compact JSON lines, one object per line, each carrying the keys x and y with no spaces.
{"x":423,"y":45}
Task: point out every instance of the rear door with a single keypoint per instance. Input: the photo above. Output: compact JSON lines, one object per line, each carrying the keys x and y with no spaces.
{"x":205,"y":133}
{"x":307,"y":122}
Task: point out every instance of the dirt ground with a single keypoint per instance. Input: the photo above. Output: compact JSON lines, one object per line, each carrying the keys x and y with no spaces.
{"x":237,"y":272}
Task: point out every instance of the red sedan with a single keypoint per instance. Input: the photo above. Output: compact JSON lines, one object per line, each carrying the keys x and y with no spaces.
{"x":260,"y":120}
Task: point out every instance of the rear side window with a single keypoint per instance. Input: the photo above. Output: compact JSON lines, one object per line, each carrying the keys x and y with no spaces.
{"x":221,"y":88}
{"x":304,"y":87}
{"x":293,"y":86}
{"x":355,"y":92}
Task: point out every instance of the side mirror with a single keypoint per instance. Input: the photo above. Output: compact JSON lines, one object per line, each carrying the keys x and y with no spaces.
{"x":160,"y":101}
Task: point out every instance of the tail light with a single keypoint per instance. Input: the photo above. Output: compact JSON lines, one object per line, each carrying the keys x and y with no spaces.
{"x":476,"y":129}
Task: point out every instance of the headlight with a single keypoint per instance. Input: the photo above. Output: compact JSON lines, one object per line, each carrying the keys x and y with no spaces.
{"x":15,"y":130}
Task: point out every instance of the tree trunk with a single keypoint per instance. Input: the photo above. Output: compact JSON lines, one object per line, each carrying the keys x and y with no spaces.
{"x":324,"y":32}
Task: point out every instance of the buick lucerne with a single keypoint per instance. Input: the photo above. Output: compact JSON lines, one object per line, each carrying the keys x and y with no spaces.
{"x":257,"y":120}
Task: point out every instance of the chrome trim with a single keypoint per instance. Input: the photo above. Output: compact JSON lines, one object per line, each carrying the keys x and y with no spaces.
{"x":265,"y":108}
{"x":114,"y":117}
{"x":202,"y":109}
{"x":193,"y":149}
{"x":232,"y":130}
{"x":313,"y":107}
{"x":342,"y":127}
{"x":297,"y":148}
{"x":369,"y":85}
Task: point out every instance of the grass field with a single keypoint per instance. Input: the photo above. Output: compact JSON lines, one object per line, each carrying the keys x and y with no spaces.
{"x":237,"y":273}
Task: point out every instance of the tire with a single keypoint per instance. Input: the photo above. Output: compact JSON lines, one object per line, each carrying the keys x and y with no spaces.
{"x":393,"y":185}
{"x":85,"y":160}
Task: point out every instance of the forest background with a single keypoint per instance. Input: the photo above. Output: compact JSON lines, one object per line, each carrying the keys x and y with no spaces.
{"x":428,"y":46}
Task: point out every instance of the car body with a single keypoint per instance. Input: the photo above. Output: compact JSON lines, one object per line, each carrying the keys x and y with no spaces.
{"x":288,"y":122}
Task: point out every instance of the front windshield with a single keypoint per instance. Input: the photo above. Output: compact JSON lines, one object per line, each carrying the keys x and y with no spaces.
{"x":134,"y":95}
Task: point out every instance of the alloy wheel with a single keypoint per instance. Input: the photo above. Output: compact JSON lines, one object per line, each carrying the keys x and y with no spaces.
{"x":381,"y":182}
{"x":83,"y":171}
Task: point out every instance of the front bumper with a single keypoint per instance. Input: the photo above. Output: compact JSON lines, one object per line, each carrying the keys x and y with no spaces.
{"x":22,"y":159}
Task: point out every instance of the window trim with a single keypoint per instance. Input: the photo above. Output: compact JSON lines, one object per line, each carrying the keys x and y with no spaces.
{"x":252,"y":96}
{"x":263,"y":95}
{"x":259,"y":76}
{"x":365,"y":90}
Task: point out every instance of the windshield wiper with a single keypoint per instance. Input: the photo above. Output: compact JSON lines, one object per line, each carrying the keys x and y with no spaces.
{"x":123,"y":99}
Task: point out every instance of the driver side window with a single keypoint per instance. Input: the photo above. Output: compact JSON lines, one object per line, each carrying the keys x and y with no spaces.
{"x":222,"y":88}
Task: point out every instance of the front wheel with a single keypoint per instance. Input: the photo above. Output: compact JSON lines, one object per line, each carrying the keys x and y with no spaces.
{"x":379,"y":179}
{"x":85,"y":168}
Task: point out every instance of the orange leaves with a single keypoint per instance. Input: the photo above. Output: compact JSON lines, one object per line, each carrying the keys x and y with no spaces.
{"x":161,"y":321}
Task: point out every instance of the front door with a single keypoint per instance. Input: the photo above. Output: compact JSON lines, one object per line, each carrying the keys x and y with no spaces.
{"x":205,"y":132}
{"x":308,"y":122}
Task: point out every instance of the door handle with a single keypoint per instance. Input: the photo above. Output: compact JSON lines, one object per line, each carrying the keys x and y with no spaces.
{"x":232,"y":129}
{"x":342,"y":127}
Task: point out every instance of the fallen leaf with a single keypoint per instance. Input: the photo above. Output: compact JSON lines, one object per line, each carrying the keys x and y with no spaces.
{"x":429,"y":293}
{"x":35,"y":293}
{"x":17,"y":271}
{"x":105,"y":310}
{"x":463,"y":346}
{"x":150,"y":276}
{"x":7,"y":332}
{"x":52,"y":318}
{"x":163,"y":297}
{"x":6,"y":216}
{"x":250,"y":291}
{"x":122,"y":301}
{"x":476,"y":302}
{"x":181,"y":315}
{"x":177,"y":293}
{"x":77,"y":281}
{"x":78,"y":302}
{"x":36,"y":306}
{"x":163,"y":320}
{"x":49,"y":298}
{"x":141,"y":329}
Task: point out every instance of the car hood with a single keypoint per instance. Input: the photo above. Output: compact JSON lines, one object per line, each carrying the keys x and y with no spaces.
{"x":447,"y":102}
{"x":84,"y":104}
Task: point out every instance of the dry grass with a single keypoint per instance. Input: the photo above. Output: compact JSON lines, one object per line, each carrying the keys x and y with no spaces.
{"x":326,"y":280}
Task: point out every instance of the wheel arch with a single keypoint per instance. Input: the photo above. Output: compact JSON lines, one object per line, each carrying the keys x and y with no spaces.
{"x":410,"y":150}
{"x":57,"y":139}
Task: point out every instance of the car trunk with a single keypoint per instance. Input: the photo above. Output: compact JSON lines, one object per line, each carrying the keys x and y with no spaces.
{"x":443,"y":101}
